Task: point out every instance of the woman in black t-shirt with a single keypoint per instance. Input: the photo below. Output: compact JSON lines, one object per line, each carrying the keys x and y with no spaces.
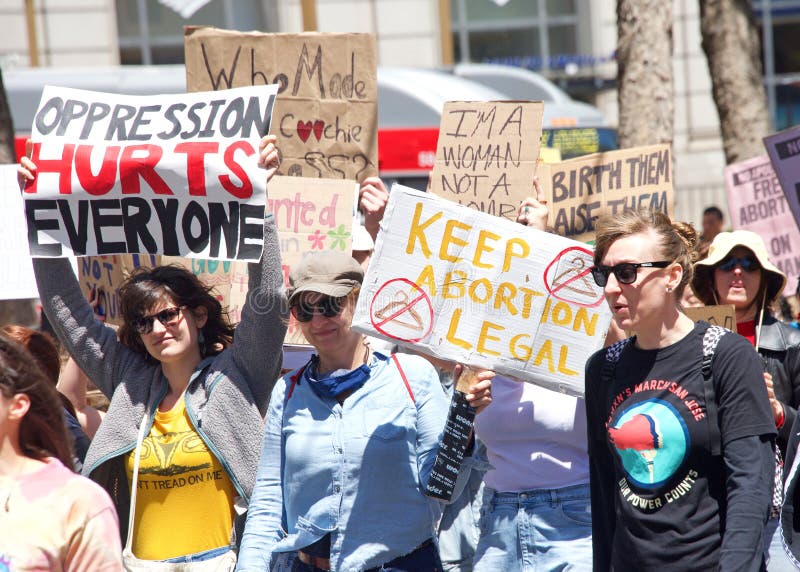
{"x":661,"y":498}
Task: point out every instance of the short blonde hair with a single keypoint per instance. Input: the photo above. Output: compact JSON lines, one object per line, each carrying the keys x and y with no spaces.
{"x":678,"y":240}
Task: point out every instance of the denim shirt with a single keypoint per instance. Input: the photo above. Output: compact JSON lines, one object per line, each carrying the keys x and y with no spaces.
{"x":356,"y":470}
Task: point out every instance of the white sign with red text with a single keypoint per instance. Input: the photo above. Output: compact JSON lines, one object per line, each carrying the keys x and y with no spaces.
{"x":166,"y":174}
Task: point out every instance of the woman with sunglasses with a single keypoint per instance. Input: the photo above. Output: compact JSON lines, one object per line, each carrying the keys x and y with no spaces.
{"x":738,"y":271}
{"x":177,"y":373}
{"x":662,"y":497}
{"x":350,"y":442}
{"x":50,"y":518}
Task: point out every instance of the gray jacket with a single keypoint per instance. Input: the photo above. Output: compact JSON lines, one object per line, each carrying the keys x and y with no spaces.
{"x":226,"y":403}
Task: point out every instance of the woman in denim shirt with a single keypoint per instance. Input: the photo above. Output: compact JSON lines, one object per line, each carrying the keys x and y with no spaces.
{"x":350,"y":442}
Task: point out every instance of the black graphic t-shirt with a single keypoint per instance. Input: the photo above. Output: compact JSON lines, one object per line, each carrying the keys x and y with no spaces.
{"x":658,"y":496}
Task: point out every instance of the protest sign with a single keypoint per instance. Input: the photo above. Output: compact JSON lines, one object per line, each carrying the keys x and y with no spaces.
{"x":18,"y":281}
{"x":757,"y":203}
{"x":310,"y":215}
{"x":583,"y":189}
{"x":165,"y":174}
{"x":326,"y":113}
{"x":722,"y":315}
{"x":487,"y":154}
{"x":469,"y":287}
{"x":784,"y":151}
{"x":101,"y":276}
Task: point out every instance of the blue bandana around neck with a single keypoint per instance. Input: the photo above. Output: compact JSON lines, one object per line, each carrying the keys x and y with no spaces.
{"x":333,"y":384}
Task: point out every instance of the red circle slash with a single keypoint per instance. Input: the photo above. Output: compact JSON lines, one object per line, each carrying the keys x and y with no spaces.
{"x":572,"y":285}
{"x":401,"y":310}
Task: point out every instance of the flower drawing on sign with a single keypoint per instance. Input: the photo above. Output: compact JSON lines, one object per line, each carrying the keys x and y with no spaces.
{"x":317,"y":240}
{"x":339,"y":237}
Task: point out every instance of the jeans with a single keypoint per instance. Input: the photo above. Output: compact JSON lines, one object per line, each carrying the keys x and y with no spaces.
{"x":534,"y":531}
{"x":199,"y":556}
{"x":776,"y":558}
{"x":458,"y":529}
{"x":423,"y":559}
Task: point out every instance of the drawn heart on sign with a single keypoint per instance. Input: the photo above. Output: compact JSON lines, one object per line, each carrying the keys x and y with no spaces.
{"x":304,"y":130}
{"x":319,"y":125}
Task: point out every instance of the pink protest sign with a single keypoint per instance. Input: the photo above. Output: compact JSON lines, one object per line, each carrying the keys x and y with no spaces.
{"x":757,"y":203}
{"x":784,"y":151}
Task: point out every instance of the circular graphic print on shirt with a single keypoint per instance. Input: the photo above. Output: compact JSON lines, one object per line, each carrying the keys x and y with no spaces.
{"x":651,"y":440}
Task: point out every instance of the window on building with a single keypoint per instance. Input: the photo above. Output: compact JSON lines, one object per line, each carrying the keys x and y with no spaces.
{"x":151,"y":33}
{"x":779,"y":25}
{"x":537,"y":34}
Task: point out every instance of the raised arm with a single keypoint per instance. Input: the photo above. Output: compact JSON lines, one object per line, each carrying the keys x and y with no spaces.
{"x":258,"y":343}
{"x":93,"y":345}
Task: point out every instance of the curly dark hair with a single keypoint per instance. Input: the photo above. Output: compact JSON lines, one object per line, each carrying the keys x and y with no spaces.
{"x":146,"y":287}
{"x":42,"y":432}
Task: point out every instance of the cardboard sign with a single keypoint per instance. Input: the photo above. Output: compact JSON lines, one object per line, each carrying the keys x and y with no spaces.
{"x":784,"y":151}
{"x":310,"y":215}
{"x":723,"y":315}
{"x":326,"y":114}
{"x":165,"y":174}
{"x":104,"y":275}
{"x":18,"y":281}
{"x":583,"y":189}
{"x":468,"y":287}
{"x":487,"y":154}
{"x":757,"y":203}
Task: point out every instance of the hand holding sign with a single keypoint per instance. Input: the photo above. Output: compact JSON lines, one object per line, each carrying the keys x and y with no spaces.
{"x":269,"y":158}
{"x":471,"y":395}
{"x":372,"y":199}
{"x":533,"y":210}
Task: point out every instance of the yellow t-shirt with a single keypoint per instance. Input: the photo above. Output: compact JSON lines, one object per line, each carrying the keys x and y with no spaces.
{"x":184,"y":502}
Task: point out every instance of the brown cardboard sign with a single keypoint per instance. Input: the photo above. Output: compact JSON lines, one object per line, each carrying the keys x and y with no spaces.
{"x":105,"y":274}
{"x":487,"y":154}
{"x":723,"y":315}
{"x":326,"y":111}
{"x":583,"y":189}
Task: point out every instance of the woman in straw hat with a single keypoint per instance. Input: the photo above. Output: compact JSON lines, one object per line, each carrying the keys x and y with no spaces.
{"x":672,"y":488}
{"x":738,"y":271}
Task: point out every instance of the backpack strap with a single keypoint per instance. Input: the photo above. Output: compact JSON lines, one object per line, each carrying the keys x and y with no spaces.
{"x":710,"y":341}
{"x":405,"y":379}
{"x":611,"y":358}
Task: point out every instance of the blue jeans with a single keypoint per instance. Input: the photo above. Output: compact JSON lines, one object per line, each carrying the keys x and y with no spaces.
{"x":776,"y":558}
{"x":423,"y":559}
{"x":533,"y":531}
{"x":458,"y":529}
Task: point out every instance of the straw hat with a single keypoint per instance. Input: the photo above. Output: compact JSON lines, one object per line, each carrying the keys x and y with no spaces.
{"x":723,"y":244}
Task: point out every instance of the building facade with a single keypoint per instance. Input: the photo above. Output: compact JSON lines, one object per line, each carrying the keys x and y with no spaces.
{"x":570,"y":42}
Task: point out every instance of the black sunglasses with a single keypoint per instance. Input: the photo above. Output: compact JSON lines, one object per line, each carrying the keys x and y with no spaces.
{"x":167,"y":317}
{"x":327,"y":306}
{"x":747,"y":263}
{"x":625,"y":272}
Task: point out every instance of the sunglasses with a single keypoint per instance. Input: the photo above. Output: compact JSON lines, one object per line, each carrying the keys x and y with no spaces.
{"x":625,"y":272}
{"x":167,"y":317}
{"x":328,"y":306}
{"x":746,"y":263}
